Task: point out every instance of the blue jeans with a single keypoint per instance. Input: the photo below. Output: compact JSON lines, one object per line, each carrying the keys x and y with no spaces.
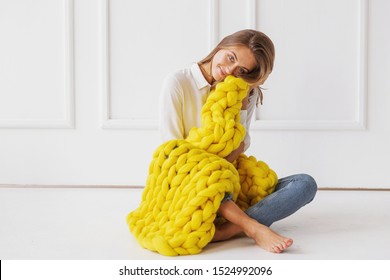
{"x":291,"y":193}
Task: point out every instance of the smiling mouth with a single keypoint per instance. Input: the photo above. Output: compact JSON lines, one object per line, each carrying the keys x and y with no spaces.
{"x":222,"y":72}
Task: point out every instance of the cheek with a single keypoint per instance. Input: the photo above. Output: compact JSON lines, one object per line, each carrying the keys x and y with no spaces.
{"x":214,"y":71}
{"x":215,"y":64}
{"x":219,"y":59}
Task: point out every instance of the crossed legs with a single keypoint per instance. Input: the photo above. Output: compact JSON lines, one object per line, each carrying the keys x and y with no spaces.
{"x":291,"y":193}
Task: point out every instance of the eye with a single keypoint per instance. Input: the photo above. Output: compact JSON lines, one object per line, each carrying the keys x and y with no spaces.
{"x":231,"y":58}
{"x":241,"y":70}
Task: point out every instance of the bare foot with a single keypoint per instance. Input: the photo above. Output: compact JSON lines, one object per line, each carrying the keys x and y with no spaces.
{"x":268,"y":239}
{"x":238,"y":222}
{"x":263,"y":236}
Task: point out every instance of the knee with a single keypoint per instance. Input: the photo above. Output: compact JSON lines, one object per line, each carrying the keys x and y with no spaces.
{"x":309,"y":186}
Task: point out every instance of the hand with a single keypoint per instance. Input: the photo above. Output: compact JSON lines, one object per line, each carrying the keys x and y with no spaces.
{"x":236,"y":153}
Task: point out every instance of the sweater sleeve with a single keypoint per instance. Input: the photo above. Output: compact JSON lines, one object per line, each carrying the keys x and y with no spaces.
{"x":243,"y":121}
{"x":248,"y":115}
{"x":171,"y":110}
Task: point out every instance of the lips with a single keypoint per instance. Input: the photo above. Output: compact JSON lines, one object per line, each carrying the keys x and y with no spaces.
{"x":221,"y":71}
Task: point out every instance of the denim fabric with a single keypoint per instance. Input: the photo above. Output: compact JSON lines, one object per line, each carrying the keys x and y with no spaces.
{"x":291,"y":193}
{"x":228,"y":196}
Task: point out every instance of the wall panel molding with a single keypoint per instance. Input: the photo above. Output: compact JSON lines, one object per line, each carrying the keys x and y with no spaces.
{"x":214,"y":23}
{"x":252,"y":14}
{"x":215,"y":15}
{"x":360,"y":121}
{"x":68,"y":59}
{"x":107,"y":122}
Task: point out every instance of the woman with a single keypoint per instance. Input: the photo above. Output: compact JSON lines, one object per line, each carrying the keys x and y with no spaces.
{"x":248,"y":54}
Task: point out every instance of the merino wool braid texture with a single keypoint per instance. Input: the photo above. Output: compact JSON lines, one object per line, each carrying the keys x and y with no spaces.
{"x":189,"y":178}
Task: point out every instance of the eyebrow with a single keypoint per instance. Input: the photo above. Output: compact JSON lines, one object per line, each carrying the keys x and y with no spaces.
{"x":237,"y":59}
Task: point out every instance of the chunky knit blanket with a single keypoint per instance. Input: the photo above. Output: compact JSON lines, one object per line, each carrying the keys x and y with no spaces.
{"x":188,"y":178}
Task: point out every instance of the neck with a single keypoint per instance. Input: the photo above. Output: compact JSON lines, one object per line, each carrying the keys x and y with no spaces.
{"x":206,"y":71}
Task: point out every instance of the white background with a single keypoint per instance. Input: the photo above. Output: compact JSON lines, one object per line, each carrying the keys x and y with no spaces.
{"x":80,"y":79}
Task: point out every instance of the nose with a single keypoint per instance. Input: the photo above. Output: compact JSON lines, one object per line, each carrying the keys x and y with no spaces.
{"x":232,"y":68}
{"x":229,"y":70}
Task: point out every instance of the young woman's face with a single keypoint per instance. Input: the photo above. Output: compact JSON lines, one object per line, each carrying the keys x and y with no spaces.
{"x":232,"y":61}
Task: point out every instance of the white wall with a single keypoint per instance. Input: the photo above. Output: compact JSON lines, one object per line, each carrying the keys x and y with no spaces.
{"x":79,"y":84}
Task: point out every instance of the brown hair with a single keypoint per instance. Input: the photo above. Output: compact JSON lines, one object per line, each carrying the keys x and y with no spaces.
{"x":260,"y":45}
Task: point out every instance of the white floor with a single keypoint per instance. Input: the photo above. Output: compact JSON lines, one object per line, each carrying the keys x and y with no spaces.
{"x":86,"y":223}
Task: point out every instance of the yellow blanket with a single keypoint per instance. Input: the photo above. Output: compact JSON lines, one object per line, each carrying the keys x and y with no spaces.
{"x":188,"y":178}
